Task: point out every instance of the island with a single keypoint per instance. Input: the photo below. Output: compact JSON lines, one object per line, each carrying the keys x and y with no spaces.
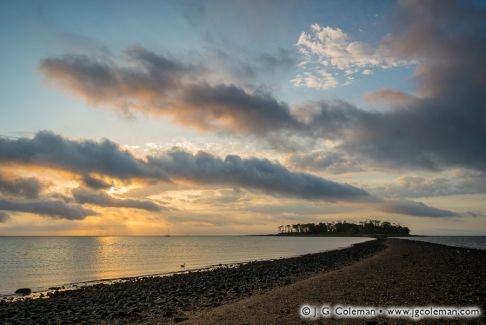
{"x":344,"y":228}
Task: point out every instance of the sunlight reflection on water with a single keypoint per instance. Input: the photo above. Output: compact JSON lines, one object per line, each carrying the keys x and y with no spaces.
{"x":42,"y":262}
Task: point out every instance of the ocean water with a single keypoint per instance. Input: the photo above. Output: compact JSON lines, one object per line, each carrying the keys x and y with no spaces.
{"x":477,"y":242}
{"x":42,"y":262}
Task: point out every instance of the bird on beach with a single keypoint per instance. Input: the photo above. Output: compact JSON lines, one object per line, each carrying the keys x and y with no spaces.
{"x":183,"y":265}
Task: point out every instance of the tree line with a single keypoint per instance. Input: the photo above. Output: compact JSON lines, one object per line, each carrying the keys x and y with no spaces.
{"x":344,"y":227}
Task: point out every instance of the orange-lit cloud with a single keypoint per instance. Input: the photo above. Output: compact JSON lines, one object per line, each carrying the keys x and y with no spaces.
{"x":158,"y":85}
{"x":388,"y":97}
{"x":107,"y":158}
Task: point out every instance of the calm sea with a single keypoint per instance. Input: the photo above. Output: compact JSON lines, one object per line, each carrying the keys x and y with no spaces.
{"x":42,"y":262}
{"x":478,"y":242}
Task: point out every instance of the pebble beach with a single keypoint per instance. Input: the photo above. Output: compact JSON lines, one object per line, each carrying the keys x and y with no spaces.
{"x":379,"y":272}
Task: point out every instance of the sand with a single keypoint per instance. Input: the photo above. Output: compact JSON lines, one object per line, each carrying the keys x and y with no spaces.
{"x":405,"y":273}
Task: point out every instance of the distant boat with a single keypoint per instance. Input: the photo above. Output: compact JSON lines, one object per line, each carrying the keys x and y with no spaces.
{"x":168,"y":232}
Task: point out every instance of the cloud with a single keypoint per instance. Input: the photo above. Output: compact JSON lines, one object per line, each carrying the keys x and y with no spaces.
{"x":280,"y":59}
{"x":222,"y":65}
{"x":444,"y":127}
{"x":175,"y":165}
{"x":458,"y":183}
{"x":107,"y":158}
{"x":318,"y":79}
{"x":388,"y":97}
{"x":431,"y":134}
{"x":417,"y":209}
{"x":4,"y":217}
{"x":439,"y":127}
{"x":224,"y":197}
{"x":25,"y":187}
{"x":329,"y":55}
{"x":50,"y":208}
{"x":334,"y":162}
{"x":95,"y":183}
{"x":100,"y":79}
{"x":158,"y":85}
{"x":209,"y":220}
{"x":253,"y":173}
{"x":99,"y":198}
{"x":227,"y":107}
{"x":83,"y":157}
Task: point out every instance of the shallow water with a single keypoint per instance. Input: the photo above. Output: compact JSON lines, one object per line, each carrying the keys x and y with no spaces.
{"x":477,"y":242}
{"x":42,"y":262}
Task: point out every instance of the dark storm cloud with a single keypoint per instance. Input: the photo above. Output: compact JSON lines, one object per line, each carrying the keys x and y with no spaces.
{"x":50,"y":208}
{"x":102,"y":199}
{"x":51,"y":150}
{"x":26,"y":187}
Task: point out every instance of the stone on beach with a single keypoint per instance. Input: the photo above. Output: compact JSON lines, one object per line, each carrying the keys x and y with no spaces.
{"x":23,"y":291}
{"x":172,"y":298}
{"x":402,"y":273}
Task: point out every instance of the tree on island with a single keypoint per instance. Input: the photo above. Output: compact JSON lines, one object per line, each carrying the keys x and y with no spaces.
{"x":368,"y":227}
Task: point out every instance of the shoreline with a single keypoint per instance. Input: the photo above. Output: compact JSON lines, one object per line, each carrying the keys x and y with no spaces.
{"x":406,"y":273}
{"x":170,"y":297}
{"x":340,"y":235}
{"x":376,"y":272}
{"x":46,"y":291}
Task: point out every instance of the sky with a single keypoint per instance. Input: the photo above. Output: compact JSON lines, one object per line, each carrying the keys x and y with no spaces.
{"x":235,"y":117}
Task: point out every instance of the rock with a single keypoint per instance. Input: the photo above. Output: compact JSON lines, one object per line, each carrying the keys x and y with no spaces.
{"x":168,"y":313}
{"x":23,"y":291}
{"x":54,"y":288}
{"x":180,"y":319}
